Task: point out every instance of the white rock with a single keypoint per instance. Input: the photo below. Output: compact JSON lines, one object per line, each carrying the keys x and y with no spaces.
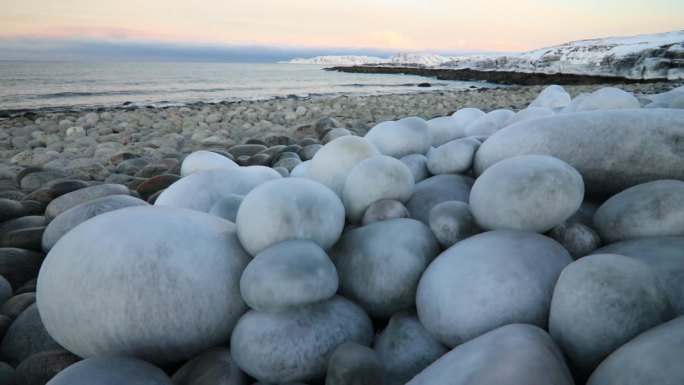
{"x":402,"y":137}
{"x":205,"y":160}
{"x":553,"y":96}
{"x":454,"y":157}
{"x":465,"y":116}
{"x":608,"y":98}
{"x":445,"y":129}
{"x":527,"y":114}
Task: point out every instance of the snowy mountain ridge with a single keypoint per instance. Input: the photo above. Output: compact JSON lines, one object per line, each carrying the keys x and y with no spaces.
{"x":422,"y":59}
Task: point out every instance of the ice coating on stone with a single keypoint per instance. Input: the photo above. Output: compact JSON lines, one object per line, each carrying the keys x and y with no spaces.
{"x":553,"y":96}
{"x":608,"y":98}
{"x":383,"y":210}
{"x":205,"y":160}
{"x":489,"y":123}
{"x":201,"y":190}
{"x":300,"y":170}
{"x":454,"y":157}
{"x":452,"y":222}
{"x":576,"y":101}
{"x":445,"y":129}
{"x":527,"y":114}
{"x":332,"y":162}
{"x":437,"y":189}
{"x":376,"y":178}
{"x":417,"y":163}
{"x":227,"y":207}
{"x":289,"y":208}
{"x":402,"y":137}
{"x":465,"y":116}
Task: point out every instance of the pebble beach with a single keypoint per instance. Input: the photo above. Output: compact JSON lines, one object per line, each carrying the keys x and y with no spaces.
{"x":381,"y":239}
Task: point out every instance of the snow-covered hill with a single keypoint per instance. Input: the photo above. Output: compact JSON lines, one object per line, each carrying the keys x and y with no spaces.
{"x":637,"y":57}
{"x":345,"y":60}
{"x":422,"y":59}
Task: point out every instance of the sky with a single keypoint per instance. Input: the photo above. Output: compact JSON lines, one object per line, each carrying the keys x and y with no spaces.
{"x":272,"y":30}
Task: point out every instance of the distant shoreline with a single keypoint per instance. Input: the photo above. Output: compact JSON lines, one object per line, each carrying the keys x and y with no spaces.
{"x":498,"y":77}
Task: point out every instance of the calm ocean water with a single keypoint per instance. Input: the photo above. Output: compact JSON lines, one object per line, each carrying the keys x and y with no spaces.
{"x":30,"y":85}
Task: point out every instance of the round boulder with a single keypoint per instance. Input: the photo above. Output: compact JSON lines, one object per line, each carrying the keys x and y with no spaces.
{"x":600,"y":303}
{"x":163,"y":287}
{"x":356,"y":364}
{"x":454,"y":157}
{"x":445,"y":129}
{"x":75,"y":198}
{"x":205,"y":160}
{"x":289,"y":208}
{"x":417,"y":163}
{"x":382,"y":210}
{"x":111,"y":371}
{"x":437,"y":189}
{"x":227,"y":207}
{"x":452,"y":222}
{"x":489,"y":280}
{"x":288,"y":275}
{"x":608,"y":98}
{"x":402,"y":137}
{"x":553,"y":96}
{"x":527,"y":192}
{"x":296,"y":345}
{"x":577,"y":238}
{"x":213,"y":367}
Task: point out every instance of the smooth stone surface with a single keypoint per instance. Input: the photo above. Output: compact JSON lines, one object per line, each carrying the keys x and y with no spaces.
{"x":201,"y":190}
{"x":528,"y":192}
{"x":445,"y":129}
{"x":608,"y":98}
{"x":19,"y":265}
{"x":553,"y":96}
{"x":26,"y":336}
{"x":16,"y":305}
{"x":653,"y":357}
{"x":405,"y":348}
{"x":22,"y":223}
{"x":333,"y":162}
{"x":10,"y":209}
{"x":376,"y":178}
{"x":402,"y":137}
{"x":75,"y":198}
{"x":7,"y":374}
{"x":578,"y":239}
{"x":155,"y":184}
{"x":619,"y":149}
{"x":651,"y":209}
{"x":296,"y":345}
{"x":380,"y":270}
{"x":5,"y":290}
{"x":437,"y":189}
{"x":527,"y":114}
{"x":227,"y":207}
{"x":665,"y":256}
{"x":204,"y":161}
{"x":40,"y":368}
{"x":487,"y":281}
{"x":454,"y":157}
{"x":213,"y":367}
{"x":417,"y":163}
{"x":489,"y":123}
{"x":600,"y":302}
{"x":518,"y":354}
{"x":111,"y":371}
{"x":289,"y":208}
{"x":383,"y":210}
{"x":452,"y":222}
{"x":64,"y":222}
{"x":288,"y":275}
{"x":27,"y":238}
{"x":352,"y":363}
{"x":163,"y":287}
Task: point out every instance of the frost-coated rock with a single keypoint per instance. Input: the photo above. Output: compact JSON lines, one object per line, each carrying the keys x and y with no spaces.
{"x":380,"y":270}
{"x":227,"y":207}
{"x":435,"y":190}
{"x":157,"y":283}
{"x":600,"y":302}
{"x":289,"y":208}
{"x":406,"y":348}
{"x":452,"y":222}
{"x":111,"y":371}
{"x":205,"y":160}
{"x":577,"y":238}
{"x":332,"y":162}
{"x":417,"y":163}
{"x":553,"y":96}
{"x":296,"y":345}
{"x":76,"y":215}
{"x":445,"y":129}
{"x":465,"y":116}
{"x":613,"y":150}
{"x":201,"y":190}
{"x":287,"y":276}
{"x":376,"y":178}
{"x":608,"y":98}
{"x":665,"y":256}
{"x":653,"y":357}
{"x":527,"y":192}
{"x":382,"y":210}
{"x":653,"y":209}
{"x":402,"y":137}
{"x":489,"y":280}
{"x":518,"y":354}
{"x":213,"y":367}
{"x":527,"y":114}
{"x":488,"y":124}
{"x":454,"y":157}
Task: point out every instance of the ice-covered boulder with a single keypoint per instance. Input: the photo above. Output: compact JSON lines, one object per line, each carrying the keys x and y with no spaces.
{"x":452,"y":222}
{"x":289,"y":208}
{"x":215,"y":366}
{"x":402,"y":137}
{"x":608,"y":98}
{"x":454,"y":157}
{"x":612,"y":149}
{"x":553,"y":96}
{"x":227,"y":207}
{"x":489,"y":280}
{"x":135,"y":281}
{"x":205,"y":160}
{"x":445,"y":129}
{"x":296,"y":345}
{"x":379,"y":269}
{"x":437,"y":189}
{"x":465,"y":116}
{"x":526,"y":192}
{"x":601,"y":302}
{"x":527,"y":114}
{"x":489,"y":123}
{"x":383,"y":210}
{"x":417,"y":163}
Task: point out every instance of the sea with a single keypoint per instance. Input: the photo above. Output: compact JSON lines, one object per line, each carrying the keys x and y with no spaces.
{"x":85,"y":85}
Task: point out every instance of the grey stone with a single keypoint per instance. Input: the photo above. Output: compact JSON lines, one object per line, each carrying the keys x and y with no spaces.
{"x":36,"y":180}
{"x":288,"y":275}
{"x":437,"y":189}
{"x":163,"y":287}
{"x":652,"y":209}
{"x":613,"y":150}
{"x":41,"y":367}
{"x":296,"y":345}
{"x":382,"y":210}
{"x":335,"y":133}
{"x":27,"y":238}
{"x":452,"y":222}
{"x":487,"y":281}
{"x":653,"y":357}
{"x":22,"y":223}
{"x":16,"y":305}
{"x":354,"y":364}
{"x":406,"y":348}
{"x":19,"y":265}
{"x":5,"y":290}
{"x":518,"y":354}
{"x":26,"y":336}
{"x":213,"y":367}
{"x":227,"y":207}
{"x":380,"y":270}
{"x":10,"y":209}
{"x":246,"y":149}
{"x":527,"y":192}
{"x":454,"y":157}
{"x":7,"y":374}
{"x":578,"y":239}
{"x":111,"y":371}
{"x":74,"y":198}
{"x":417,"y":163}
{"x":600,"y":302}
